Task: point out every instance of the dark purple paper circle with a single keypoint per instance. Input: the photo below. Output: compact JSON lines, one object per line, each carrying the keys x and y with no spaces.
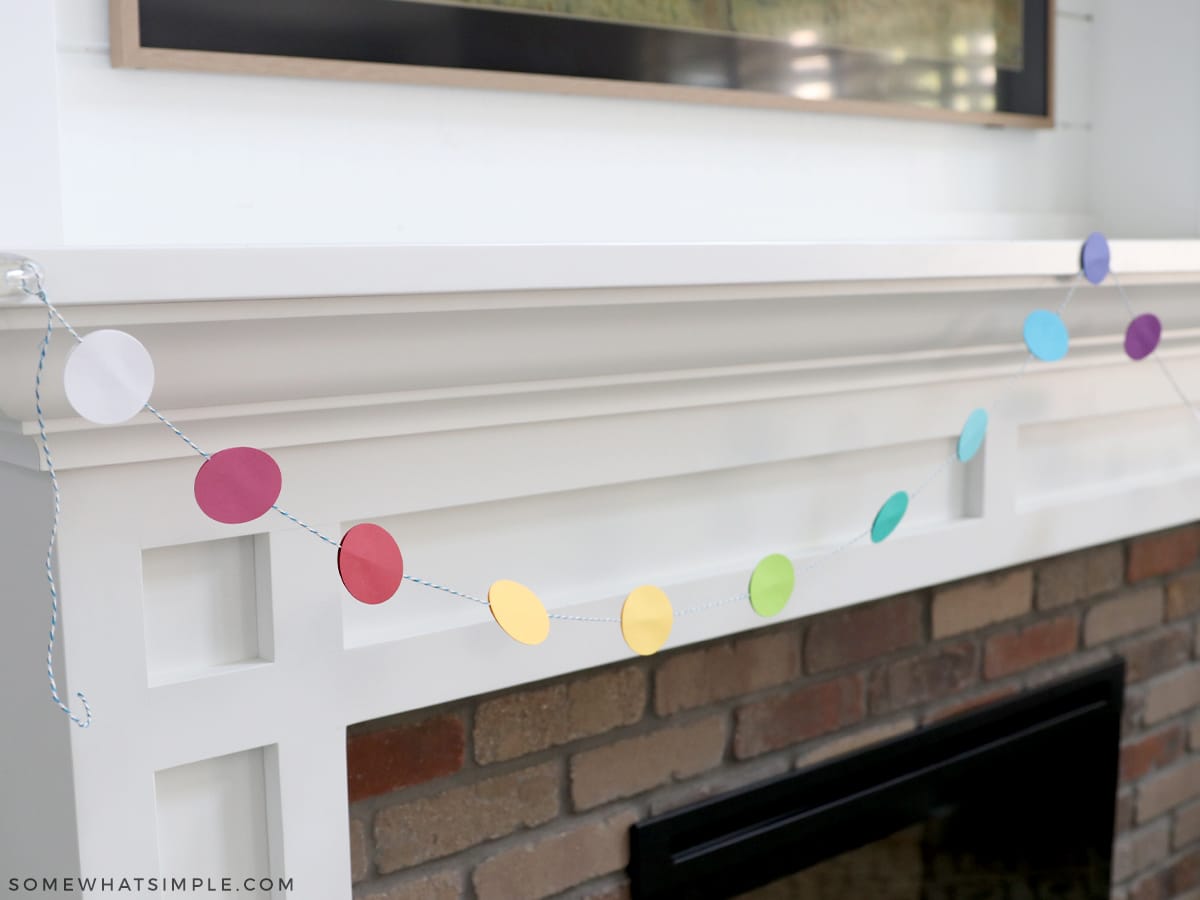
{"x":238,"y":485}
{"x":1141,"y":337}
{"x":1095,"y":258}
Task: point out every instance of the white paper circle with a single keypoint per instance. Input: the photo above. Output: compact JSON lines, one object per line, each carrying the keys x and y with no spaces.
{"x":109,"y":377}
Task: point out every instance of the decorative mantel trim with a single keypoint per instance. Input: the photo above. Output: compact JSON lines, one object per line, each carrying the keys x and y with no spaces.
{"x":128,"y":274}
{"x":687,"y":430}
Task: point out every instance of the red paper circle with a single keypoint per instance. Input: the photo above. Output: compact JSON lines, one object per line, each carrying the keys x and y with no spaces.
{"x":238,"y":485}
{"x":370,"y":564}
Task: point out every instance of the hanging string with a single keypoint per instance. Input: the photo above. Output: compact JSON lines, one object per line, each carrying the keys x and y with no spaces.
{"x":52,"y":313}
{"x":1162,"y":365}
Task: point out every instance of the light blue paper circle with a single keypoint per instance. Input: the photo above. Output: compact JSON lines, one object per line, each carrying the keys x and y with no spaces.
{"x":1095,"y":258}
{"x":970,"y":439}
{"x":889,"y":516}
{"x":1046,"y":335}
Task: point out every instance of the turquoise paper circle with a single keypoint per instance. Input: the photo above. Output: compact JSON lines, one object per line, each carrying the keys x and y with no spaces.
{"x":970,"y":439}
{"x":889,"y":516}
{"x":1046,"y":335}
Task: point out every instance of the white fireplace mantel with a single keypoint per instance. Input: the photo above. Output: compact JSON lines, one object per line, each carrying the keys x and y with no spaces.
{"x":581,"y":419}
{"x":124,"y":274}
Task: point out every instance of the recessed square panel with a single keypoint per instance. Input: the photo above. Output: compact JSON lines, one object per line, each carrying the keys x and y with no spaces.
{"x":212,"y":817}
{"x":202,"y":605}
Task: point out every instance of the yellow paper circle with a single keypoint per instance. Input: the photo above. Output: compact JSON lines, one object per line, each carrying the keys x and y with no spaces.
{"x":646,"y":620}
{"x":519,"y":612}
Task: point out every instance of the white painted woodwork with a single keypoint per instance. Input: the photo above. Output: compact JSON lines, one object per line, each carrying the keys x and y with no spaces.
{"x":637,"y":426}
{"x":201,"y":607}
{"x":224,"y":797}
{"x":170,"y":158}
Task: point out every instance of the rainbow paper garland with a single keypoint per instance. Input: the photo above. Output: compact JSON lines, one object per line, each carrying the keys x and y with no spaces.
{"x":109,"y":377}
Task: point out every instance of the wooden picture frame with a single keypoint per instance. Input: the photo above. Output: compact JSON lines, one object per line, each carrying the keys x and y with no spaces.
{"x":476,"y":44}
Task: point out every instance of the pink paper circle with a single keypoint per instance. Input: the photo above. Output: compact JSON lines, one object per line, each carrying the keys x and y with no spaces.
{"x":370,"y":563}
{"x":238,"y":485}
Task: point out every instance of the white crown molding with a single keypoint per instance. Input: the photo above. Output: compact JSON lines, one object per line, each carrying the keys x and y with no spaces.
{"x":292,"y":372}
{"x":133,"y":274}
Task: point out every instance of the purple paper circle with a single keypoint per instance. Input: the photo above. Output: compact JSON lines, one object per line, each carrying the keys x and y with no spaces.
{"x":1095,"y":258}
{"x":1141,"y":337}
{"x":238,"y":485}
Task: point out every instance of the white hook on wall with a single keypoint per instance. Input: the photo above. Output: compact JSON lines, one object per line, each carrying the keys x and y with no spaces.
{"x":19,"y":275}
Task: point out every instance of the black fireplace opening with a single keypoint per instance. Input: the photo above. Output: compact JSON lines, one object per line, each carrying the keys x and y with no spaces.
{"x":1015,"y":800}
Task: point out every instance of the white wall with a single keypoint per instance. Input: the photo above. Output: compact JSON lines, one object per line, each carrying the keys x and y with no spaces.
{"x":188,"y":159}
{"x":1146,"y":141}
{"x":180,"y":158}
{"x":30,"y":208}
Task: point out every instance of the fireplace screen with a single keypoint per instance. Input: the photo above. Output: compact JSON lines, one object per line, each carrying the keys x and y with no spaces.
{"x":1013,"y":801}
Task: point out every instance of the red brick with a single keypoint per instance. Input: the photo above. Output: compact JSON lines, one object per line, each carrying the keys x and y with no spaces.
{"x":548,"y":865}
{"x":1187,"y":826}
{"x":711,"y":674}
{"x":379,"y":762}
{"x":1064,"y":667}
{"x":1165,"y":790}
{"x":1156,"y":653}
{"x":1162,"y":553}
{"x":525,"y":721}
{"x":1140,"y":850}
{"x":932,"y":675}
{"x":1183,"y":596}
{"x":960,"y":706}
{"x":979,"y":602}
{"x":1171,"y":694}
{"x":808,"y":712}
{"x":1067,"y":579}
{"x":1123,"y":818}
{"x":1184,"y":874}
{"x":431,"y":827}
{"x":1133,"y":716}
{"x":631,"y":766}
{"x":1149,"y":752}
{"x":1131,"y":611}
{"x":434,"y":886}
{"x":862,"y":633}
{"x":621,"y":890}
{"x":853,"y":741}
{"x":1149,"y":887}
{"x":727,"y":778}
{"x":1016,"y":651}
{"x":359,"y":855}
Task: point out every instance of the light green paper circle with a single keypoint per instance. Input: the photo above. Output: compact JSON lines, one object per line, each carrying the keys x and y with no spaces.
{"x":771,"y":585}
{"x":889,"y":516}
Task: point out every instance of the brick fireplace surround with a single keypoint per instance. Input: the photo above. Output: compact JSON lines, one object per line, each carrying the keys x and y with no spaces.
{"x":530,"y":792}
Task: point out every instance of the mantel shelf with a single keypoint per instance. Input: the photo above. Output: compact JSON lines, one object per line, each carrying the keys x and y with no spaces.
{"x":89,"y":275}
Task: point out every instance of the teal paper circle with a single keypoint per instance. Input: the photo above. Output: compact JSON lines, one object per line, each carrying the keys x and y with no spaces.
{"x":889,"y":516}
{"x":970,"y":439}
{"x":1046,"y":335}
{"x":771,"y":585}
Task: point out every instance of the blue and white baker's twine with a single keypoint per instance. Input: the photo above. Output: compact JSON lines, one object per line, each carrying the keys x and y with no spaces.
{"x":41,"y":419}
{"x":32,"y":285}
